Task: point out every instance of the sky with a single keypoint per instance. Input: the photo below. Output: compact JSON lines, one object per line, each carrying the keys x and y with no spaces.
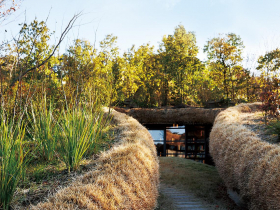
{"x":137,"y":22}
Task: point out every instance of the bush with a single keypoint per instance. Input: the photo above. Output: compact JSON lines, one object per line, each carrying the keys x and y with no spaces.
{"x":274,"y":128}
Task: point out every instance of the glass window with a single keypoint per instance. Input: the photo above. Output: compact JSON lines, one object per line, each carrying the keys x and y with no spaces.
{"x":175,"y":135}
{"x":158,"y":136}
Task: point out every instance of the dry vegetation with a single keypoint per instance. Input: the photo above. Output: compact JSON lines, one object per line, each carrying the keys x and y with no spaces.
{"x":247,"y":164}
{"x":179,"y":115}
{"x":255,"y":121}
{"x":126,"y":176}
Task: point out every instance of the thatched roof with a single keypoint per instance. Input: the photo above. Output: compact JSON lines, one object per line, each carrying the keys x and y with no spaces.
{"x":190,"y":115}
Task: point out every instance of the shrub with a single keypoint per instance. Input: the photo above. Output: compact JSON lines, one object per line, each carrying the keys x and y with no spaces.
{"x":269,"y":102}
{"x":274,"y":128}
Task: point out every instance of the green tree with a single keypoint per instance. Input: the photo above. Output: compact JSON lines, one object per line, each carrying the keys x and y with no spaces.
{"x":178,"y":57}
{"x":78,"y":68}
{"x":269,"y":64}
{"x":224,"y":57}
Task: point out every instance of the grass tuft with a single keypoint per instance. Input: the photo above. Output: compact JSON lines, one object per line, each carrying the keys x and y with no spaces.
{"x":42,"y":129}
{"x":78,"y":132}
{"x":12,"y":160}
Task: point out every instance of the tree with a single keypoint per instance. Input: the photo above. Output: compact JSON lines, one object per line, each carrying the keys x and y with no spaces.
{"x":46,"y":59}
{"x":269,"y":65}
{"x":178,"y":59}
{"x":26,"y":63}
{"x":224,"y":57}
{"x":77,"y":68}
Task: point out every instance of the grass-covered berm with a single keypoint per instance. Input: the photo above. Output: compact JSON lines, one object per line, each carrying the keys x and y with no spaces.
{"x":248,"y":165}
{"x":126,"y":176}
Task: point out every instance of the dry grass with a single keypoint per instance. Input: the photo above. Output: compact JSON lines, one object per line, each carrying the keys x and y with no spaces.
{"x":126,"y":176}
{"x":255,"y":121}
{"x":190,"y":115}
{"x":247,"y":164}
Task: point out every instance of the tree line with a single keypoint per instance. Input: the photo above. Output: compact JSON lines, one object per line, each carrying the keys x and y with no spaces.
{"x":170,"y":75}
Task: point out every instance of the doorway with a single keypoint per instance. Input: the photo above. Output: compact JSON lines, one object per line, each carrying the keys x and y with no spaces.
{"x":185,"y":141}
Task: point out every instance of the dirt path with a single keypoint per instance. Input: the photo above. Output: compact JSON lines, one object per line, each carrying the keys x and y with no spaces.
{"x":182,"y":200}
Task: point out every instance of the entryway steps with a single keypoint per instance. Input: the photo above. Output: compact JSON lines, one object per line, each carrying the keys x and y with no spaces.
{"x":182,"y":200}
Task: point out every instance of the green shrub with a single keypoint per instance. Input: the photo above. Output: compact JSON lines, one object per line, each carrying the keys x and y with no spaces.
{"x":274,"y":128}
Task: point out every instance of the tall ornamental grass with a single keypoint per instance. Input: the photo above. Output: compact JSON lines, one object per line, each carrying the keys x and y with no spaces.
{"x":78,"y":131}
{"x":125,"y":177}
{"x":42,"y":130}
{"x":12,"y":160}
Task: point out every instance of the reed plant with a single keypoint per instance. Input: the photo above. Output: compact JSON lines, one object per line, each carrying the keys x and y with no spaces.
{"x":42,"y":127}
{"x":78,"y":131}
{"x":12,"y":159}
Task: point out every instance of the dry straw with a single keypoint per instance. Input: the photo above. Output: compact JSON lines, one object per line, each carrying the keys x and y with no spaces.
{"x":126,"y":176}
{"x":191,"y":115}
{"x":247,"y":164}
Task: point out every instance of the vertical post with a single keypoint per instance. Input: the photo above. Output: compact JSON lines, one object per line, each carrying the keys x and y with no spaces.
{"x":164,"y":147}
{"x":205,"y":142}
{"x":186,"y":133}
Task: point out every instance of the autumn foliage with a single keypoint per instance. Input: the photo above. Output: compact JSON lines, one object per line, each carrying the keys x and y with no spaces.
{"x":32,"y":69}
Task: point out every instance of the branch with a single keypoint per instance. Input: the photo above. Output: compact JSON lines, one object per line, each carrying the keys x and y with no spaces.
{"x":62,"y":36}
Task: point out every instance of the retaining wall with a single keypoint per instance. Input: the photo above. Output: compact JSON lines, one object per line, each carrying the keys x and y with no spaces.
{"x":249,"y":166}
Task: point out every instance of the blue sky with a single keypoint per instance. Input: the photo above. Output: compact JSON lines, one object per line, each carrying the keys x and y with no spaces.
{"x":146,"y":21}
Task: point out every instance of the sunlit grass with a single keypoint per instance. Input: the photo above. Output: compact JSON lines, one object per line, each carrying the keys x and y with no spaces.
{"x":42,"y":128}
{"x":12,"y":160}
{"x":78,"y":131}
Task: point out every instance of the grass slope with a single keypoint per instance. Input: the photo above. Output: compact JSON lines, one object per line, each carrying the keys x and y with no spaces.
{"x":125,"y":177}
